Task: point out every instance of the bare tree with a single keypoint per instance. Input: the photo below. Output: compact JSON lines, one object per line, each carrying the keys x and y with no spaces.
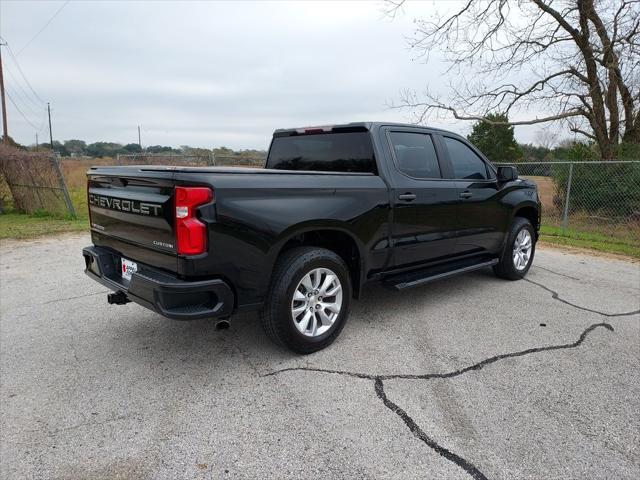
{"x":576,"y":59}
{"x":547,"y":137}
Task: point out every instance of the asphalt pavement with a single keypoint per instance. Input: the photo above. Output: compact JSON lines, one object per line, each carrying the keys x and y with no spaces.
{"x":471,"y":377}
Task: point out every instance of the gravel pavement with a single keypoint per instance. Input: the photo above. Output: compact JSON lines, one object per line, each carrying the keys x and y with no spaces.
{"x":471,"y":377}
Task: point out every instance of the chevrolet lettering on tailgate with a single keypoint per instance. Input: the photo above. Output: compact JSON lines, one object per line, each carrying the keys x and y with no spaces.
{"x":132,"y":206}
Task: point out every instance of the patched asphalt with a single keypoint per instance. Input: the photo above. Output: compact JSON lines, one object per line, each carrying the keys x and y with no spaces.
{"x":471,"y":377}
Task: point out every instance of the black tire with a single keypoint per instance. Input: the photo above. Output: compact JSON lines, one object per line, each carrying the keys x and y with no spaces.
{"x":506,"y":267}
{"x":276,"y":316}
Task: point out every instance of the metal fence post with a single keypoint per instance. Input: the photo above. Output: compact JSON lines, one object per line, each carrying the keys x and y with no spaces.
{"x":63,"y":186}
{"x":565,"y":213}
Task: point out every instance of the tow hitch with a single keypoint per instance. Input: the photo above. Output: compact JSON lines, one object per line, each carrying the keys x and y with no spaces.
{"x":117,"y":298}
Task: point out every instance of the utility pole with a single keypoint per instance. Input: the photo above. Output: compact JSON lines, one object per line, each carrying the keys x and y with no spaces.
{"x":36,"y":140}
{"x":139,"y":138}
{"x":5,"y":132}
{"x":50,"y":132}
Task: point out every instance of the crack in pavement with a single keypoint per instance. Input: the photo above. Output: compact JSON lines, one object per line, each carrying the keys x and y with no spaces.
{"x":77,"y":296}
{"x":428,"y":376}
{"x":469,"y":467}
{"x":409,"y":422}
{"x":556,"y":296}
{"x":378,"y":380}
{"x":556,"y":273}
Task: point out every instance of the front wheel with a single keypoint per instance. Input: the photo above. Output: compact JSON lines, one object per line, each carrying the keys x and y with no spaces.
{"x":517,"y":256}
{"x":308,"y":302}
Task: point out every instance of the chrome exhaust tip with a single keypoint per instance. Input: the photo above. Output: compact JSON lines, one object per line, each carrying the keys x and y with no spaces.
{"x":223,"y":324}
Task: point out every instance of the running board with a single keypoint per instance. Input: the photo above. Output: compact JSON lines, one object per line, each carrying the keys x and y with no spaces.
{"x":420,"y":277}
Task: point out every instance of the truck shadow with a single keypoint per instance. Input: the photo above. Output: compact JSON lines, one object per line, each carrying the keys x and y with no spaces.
{"x":197,"y":339}
{"x":390,"y":319}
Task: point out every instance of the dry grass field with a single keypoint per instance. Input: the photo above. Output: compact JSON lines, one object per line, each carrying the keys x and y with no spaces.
{"x":546,"y":189}
{"x":75,"y":169}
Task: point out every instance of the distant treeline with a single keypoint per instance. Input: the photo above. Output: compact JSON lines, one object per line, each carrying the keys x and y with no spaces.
{"x":572,"y":151}
{"x":79,"y":148}
{"x":497,"y":145}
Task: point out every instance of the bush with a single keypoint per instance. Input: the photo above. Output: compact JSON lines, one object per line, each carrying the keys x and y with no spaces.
{"x":610,"y":190}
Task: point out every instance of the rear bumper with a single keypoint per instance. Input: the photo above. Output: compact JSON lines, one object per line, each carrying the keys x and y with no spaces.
{"x":159,"y":291}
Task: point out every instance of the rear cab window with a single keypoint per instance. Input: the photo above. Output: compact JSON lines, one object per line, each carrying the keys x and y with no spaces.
{"x":323,"y":152}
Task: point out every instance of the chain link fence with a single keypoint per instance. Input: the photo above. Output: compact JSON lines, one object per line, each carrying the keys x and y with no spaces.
{"x":596,"y":197}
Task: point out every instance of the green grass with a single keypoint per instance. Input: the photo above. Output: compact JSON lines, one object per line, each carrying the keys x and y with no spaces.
{"x":19,"y":225}
{"x":593,"y":241}
{"x":41,"y":223}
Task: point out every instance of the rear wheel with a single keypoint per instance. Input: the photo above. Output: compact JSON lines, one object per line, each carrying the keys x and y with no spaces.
{"x":308,"y":302}
{"x":518,"y":252}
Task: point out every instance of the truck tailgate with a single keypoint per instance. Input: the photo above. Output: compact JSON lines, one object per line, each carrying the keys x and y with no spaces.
{"x":131,"y":211}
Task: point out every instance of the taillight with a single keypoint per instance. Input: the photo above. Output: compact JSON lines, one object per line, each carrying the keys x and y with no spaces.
{"x":191,"y":233}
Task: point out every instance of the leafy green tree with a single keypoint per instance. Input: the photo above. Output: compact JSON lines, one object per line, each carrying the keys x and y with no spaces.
{"x":575,"y":151}
{"x":223,"y":151}
{"x":75,"y":147}
{"x":132,"y":148}
{"x":104,"y":149}
{"x":57,"y":148}
{"x":534,"y":153}
{"x":496,"y":141}
{"x":160,"y":149}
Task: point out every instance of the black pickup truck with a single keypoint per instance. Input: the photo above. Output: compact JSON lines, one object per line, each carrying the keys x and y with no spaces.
{"x":334,"y":208}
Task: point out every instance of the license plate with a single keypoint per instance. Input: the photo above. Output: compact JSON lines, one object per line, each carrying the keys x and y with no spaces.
{"x":128,"y":268}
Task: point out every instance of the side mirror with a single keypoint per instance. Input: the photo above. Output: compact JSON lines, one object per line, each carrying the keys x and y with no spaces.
{"x":507,"y":174}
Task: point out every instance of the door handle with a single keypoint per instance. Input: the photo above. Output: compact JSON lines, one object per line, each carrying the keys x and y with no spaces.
{"x":466,"y":195}
{"x":407,"y":197}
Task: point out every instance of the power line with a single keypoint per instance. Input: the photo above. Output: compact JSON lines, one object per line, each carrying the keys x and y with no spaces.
{"x":13,"y":101}
{"x":30,"y":96}
{"x":19,"y":104}
{"x":43,"y":27}
{"x":5,"y":129}
{"x":34,"y":98}
{"x":15,"y":60}
{"x":20,"y":96}
{"x":20,"y":112}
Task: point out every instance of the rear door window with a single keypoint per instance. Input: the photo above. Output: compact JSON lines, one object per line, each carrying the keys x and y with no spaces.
{"x":326,"y":152}
{"x":415,"y":154}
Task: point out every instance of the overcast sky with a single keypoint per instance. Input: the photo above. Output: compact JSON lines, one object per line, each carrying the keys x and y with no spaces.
{"x":209,"y":73}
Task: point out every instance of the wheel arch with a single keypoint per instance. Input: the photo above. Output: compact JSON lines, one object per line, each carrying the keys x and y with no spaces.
{"x":531,"y":212}
{"x":334,"y":237}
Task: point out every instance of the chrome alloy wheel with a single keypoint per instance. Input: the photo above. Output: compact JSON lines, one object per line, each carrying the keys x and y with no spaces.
{"x":522,"y":250}
{"x":316,"y":302}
